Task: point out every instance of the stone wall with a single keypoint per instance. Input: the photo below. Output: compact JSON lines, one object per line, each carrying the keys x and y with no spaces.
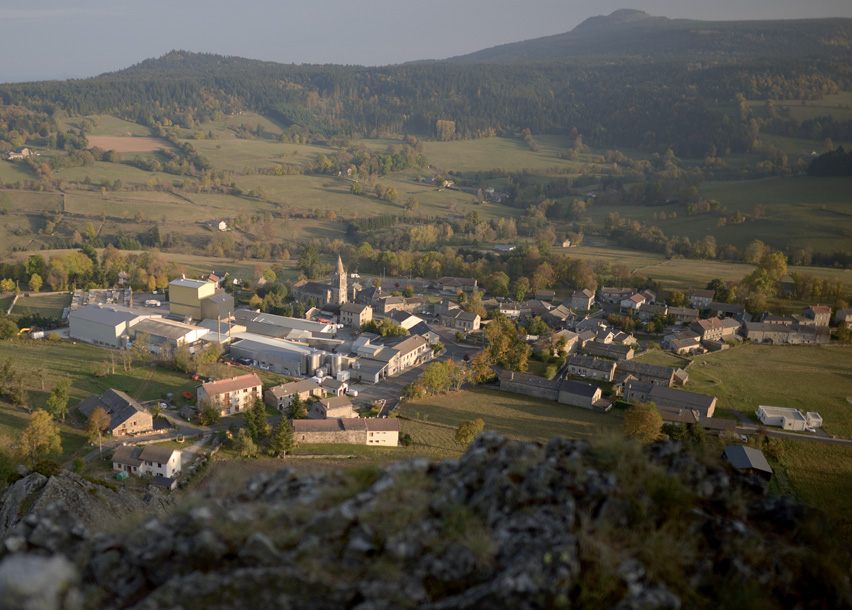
{"x":348,"y":437}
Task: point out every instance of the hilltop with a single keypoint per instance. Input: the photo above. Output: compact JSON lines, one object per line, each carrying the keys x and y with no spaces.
{"x":635,"y":34}
{"x":510,"y":525}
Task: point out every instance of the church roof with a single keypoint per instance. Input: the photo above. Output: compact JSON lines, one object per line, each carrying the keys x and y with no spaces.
{"x":340,"y":270}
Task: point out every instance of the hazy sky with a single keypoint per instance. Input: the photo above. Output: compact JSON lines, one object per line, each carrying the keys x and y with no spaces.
{"x":45,"y":39}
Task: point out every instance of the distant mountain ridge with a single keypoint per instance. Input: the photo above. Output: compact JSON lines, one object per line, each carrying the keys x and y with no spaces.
{"x":630,"y":33}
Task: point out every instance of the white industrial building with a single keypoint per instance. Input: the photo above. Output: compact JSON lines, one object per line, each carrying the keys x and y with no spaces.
{"x":168,"y":334}
{"x":788,"y":418}
{"x":105,"y":325}
{"x":271,"y":325}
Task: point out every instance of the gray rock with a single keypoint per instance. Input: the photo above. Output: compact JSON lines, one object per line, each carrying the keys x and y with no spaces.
{"x":31,"y":582}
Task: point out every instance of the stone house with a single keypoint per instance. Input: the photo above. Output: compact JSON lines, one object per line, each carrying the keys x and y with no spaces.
{"x":709,"y":329}
{"x":609,"y":294}
{"x":820,"y":314}
{"x":645,"y":373}
{"x":452,"y":285}
{"x":232,"y":395}
{"x":355,"y":314}
{"x":578,"y":394}
{"x":843,"y":315}
{"x":126,"y":415}
{"x":351,"y":431}
{"x":662,"y":396}
{"x":683,"y":315}
{"x":582,"y":300}
{"x":593,"y":368}
{"x":633,"y":301}
{"x":461,"y":320}
{"x":281,"y":396}
{"x":332,"y":407}
{"x":615,"y":351}
{"x":700,"y":299}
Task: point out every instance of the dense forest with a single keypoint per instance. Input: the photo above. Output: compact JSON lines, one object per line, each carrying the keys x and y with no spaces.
{"x":672,"y":99}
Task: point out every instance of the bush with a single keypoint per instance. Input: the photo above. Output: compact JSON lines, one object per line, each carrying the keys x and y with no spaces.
{"x":78,"y":465}
{"x":405,"y":440}
{"x":48,"y":468}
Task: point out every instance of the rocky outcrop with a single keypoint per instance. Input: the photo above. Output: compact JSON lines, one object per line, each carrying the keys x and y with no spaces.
{"x":510,"y":525}
{"x":90,"y":504}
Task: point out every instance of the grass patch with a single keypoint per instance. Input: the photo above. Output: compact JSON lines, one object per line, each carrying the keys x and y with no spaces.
{"x":47,"y":305}
{"x":806,"y":377}
{"x":819,"y":475}
{"x":513,"y":415}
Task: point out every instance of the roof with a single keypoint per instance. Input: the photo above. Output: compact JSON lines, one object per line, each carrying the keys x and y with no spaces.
{"x":709,"y":324}
{"x":333,"y":384}
{"x":168,"y":329}
{"x":127,"y":454}
{"x":458,"y":281}
{"x":591,"y":362}
{"x":819,"y":309}
{"x":727,"y":307}
{"x":150,"y":453}
{"x":644,"y":368}
{"x":339,"y":269}
{"x":384,"y":424}
{"x":636,"y":298}
{"x":233,"y":384}
{"x":353,"y":307}
{"x":335,"y":402}
{"x":185,"y":283}
{"x":288,"y":389}
{"x":116,"y":403}
{"x":747,"y":458}
{"x":706,"y":294}
{"x":579,"y":388}
{"x":110,"y":316}
{"x":584,"y":293}
{"x":410,"y":344}
{"x":787,"y":412}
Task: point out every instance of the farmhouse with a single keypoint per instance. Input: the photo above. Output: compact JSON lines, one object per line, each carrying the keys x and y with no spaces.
{"x":700,"y":299}
{"x":350,"y":431}
{"x":232,"y":395}
{"x":568,"y":392}
{"x":683,"y":315}
{"x":613,"y":351}
{"x":217,"y":225}
{"x":126,"y":415}
{"x":578,"y":394}
{"x":645,"y":373}
{"x":819,"y":314}
{"x":661,"y":396}
{"x":633,"y":301}
{"x":709,"y":330}
{"x":593,"y":368}
{"x":280,"y":396}
{"x":452,"y":285}
{"x":843,"y":315}
{"x":793,"y":334}
{"x":147,"y":460}
{"x":788,"y":419}
{"x":610,"y":294}
{"x":332,"y":408}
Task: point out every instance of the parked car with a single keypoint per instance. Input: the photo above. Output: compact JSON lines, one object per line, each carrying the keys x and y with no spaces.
{"x":352,"y":393}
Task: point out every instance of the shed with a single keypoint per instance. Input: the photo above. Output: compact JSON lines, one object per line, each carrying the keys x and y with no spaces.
{"x":748,"y":460}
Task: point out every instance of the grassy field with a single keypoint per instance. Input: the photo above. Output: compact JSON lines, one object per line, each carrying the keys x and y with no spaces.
{"x":47,"y":305}
{"x":819,"y":475}
{"x":810,"y":378}
{"x":513,"y":415}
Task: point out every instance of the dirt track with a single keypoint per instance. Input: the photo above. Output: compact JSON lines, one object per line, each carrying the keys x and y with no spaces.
{"x":125,"y":144}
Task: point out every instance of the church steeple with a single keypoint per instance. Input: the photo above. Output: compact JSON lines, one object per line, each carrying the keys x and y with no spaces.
{"x":338,"y":284}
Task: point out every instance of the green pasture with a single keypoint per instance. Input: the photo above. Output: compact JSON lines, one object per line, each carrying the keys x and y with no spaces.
{"x":512,"y":415}
{"x":15,"y":171}
{"x":838,"y":106}
{"x":806,"y":377}
{"x":30,"y":201}
{"x":107,"y":125}
{"x":47,"y":305}
{"x":491,"y":153}
{"x":819,"y":475}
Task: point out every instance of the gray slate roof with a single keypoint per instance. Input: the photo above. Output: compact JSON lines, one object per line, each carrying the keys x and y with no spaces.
{"x":747,"y":458}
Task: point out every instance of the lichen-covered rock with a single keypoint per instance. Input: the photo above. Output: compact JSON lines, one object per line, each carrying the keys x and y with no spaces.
{"x":510,"y":525}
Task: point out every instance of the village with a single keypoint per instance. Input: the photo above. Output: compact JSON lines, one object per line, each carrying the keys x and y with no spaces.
{"x":345,"y":381}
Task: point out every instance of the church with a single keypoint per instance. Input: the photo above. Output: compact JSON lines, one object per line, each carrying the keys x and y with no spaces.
{"x":328,"y":293}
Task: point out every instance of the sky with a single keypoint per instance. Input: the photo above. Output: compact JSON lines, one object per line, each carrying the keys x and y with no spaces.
{"x":59,"y":39}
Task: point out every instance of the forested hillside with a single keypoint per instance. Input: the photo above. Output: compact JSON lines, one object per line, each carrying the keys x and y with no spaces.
{"x":667,"y":97}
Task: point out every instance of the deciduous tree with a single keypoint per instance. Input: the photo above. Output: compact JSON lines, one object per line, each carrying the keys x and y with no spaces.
{"x":57,"y":402}
{"x":643,"y":422}
{"x":468,"y":430}
{"x":98,"y":422}
{"x":40,"y":438}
